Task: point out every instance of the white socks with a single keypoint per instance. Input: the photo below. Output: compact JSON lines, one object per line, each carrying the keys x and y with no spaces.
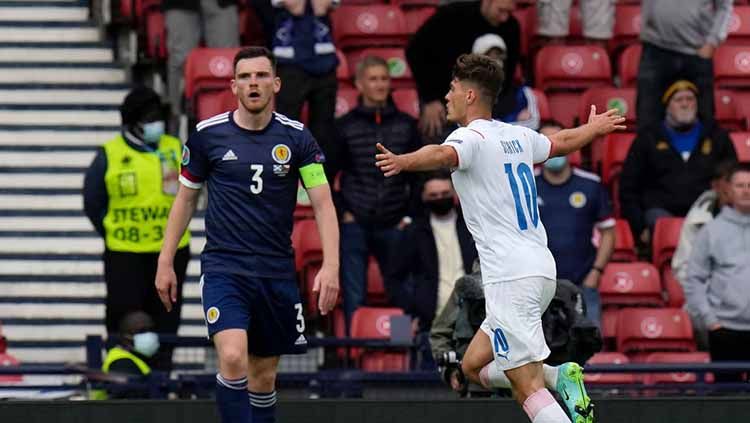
{"x":541,"y":407}
{"x":492,"y":377}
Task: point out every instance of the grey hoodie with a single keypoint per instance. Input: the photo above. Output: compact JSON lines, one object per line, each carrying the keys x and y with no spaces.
{"x":685,"y":25}
{"x":717,"y":286}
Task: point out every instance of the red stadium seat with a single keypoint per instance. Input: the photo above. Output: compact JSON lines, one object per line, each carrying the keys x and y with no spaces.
{"x":251,"y":28}
{"x":563,"y":72}
{"x":732,"y":67}
{"x":698,"y":357}
{"x":642,"y":330}
{"x":407,"y":101}
{"x":375,"y":288}
{"x":156,"y":36}
{"x":739,"y":26}
{"x":615,"y":149}
{"x":374,"y":323}
{"x":609,"y":378}
{"x":133,"y":11}
{"x":741,"y":141}
{"x":208,"y":69}
{"x":665,"y":239}
{"x":628,"y":66}
{"x":543,"y":105}
{"x":673,"y":288}
{"x":214,"y":103}
{"x":624,"y":243}
{"x":369,"y":26}
{"x":527,"y":20}
{"x":415,"y":17}
{"x":346,"y":100}
{"x":308,"y":257}
{"x":605,"y":98}
{"x":398,"y":67}
{"x":730,"y":112}
{"x":627,"y":27}
{"x":627,"y":284}
{"x":609,"y":328}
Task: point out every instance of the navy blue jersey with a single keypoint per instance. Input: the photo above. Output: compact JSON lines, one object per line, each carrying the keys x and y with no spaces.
{"x":570,"y":212}
{"x":252,"y":181}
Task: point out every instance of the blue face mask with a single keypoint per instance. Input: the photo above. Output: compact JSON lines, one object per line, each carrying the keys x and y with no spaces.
{"x":152,"y":131}
{"x":146,"y":343}
{"x":556,"y":164}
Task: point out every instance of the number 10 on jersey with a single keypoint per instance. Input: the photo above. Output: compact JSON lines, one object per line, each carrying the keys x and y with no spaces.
{"x":529,"y":191}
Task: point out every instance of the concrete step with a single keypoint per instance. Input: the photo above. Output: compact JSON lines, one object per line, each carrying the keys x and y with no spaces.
{"x":58,"y":74}
{"x":73,"y":289}
{"x":71,"y":246}
{"x":66,"y":267}
{"x":44,"y":32}
{"x":77,"y":354}
{"x":73,"y":311}
{"x":59,"y":224}
{"x":31,"y":136}
{"x":41,"y":180}
{"x":60,"y":13}
{"x":55,"y":55}
{"x":62,"y":97}
{"x":45,"y":158}
{"x":75,"y":332}
{"x":39,"y":202}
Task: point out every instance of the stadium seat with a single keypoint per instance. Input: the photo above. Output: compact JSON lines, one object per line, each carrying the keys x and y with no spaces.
{"x":608,"y":378}
{"x":133,"y":11}
{"x":346,"y":100}
{"x":673,"y":288}
{"x":543,"y":104}
{"x":665,"y":239}
{"x":628,"y":284}
{"x":627,"y":27}
{"x":308,"y":257}
{"x":214,"y":102}
{"x":527,"y":20}
{"x":407,"y":101}
{"x":605,"y":98}
{"x":739,"y":26}
{"x":741,"y":141}
{"x":732,"y":67}
{"x":614,"y":150}
{"x":645,"y":330}
{"x":374,"y":323}
{"x":415,"y":17}
{"x":563,"y":72}
{"x":398,"y":67}
{"x":624,"y":243}
{"x":375,"y":288}
{"x":251,"y":28}
{"x":628,"y":66}
{"x":698,"y":357}
{"x":206,"y":70}
{"x":360,"y":26}
{"x":156,"y":36}
{"x":730,"y":112}
{"x":342,"y":70}
{"x":609,"y":328}
{"x":412,"y":4}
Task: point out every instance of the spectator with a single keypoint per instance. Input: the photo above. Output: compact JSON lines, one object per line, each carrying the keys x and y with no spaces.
{"x":136,"y":344}
{"x":442,"y":248}
{"x":447,"y":34}
{"x":373,"y":209}
{"x":302,"y":41}
{"x":598,"y":16}
{"x":217,"y":21}
{"x":704,"y":210}
{"x":127,"y":194}
{"x":717,"y":286}
{"x":572,"y":203}
{"x":679,"y":39}
{"x":519,"y":106}
{"x":668,"y":167}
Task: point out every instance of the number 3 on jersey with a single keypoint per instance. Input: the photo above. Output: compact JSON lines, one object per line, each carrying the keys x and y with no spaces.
{"x":529,"y":191}
{"x":256,"y":181}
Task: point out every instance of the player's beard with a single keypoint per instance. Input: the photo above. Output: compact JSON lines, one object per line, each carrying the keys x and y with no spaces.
{"x":256,"y":108}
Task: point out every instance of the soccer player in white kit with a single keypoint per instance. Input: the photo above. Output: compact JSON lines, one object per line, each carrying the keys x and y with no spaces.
{"x":493,"y":175}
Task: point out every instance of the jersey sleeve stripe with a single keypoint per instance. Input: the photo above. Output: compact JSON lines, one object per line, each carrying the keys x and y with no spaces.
{"x":213,"y":118}
{"x":190,"y":180}
{"x":211,"y":123}
{"x":607,"y":223}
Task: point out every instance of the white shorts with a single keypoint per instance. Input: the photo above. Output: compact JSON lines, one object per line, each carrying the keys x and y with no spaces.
{"x":514,"y":320}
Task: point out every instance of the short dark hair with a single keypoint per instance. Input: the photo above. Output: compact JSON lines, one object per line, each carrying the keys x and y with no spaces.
{"x":724,"y":169}
{"x":253,"y":52}
{"x":737,"y":168}
{"x":440,"y":174}
{"x":483,"y":71}
{"x":368,"y":62}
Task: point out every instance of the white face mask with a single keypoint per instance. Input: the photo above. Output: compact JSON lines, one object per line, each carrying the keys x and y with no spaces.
{"x":152,"y":131}
{"x":146,"y":343}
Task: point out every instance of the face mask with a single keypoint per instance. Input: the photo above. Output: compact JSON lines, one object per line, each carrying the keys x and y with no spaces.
{"x":152,"y":131}
{"x":556,"y":164}
{"x":146,"y":343}
{"x":441,"y":206}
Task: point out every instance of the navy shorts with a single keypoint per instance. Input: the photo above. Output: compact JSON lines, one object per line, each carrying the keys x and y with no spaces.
{"x":270,"y":310}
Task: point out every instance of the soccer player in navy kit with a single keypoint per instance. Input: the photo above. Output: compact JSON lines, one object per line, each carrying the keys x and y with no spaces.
{"x":252,"y":159}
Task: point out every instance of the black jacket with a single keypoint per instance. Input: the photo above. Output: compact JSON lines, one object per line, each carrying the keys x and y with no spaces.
{"x":365,"y":192}
{"x":450,"y":32}
{"x":422,"y":263}
{"x":654,"y":174}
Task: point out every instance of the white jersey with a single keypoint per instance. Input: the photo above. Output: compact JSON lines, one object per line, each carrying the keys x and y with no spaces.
{"x":495,"y":183}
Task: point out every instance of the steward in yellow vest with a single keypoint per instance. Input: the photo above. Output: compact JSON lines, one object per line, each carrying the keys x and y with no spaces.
{"x":128,"y":193}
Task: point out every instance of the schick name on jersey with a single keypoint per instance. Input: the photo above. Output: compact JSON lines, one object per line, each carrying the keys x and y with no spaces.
{"x":511,"y":147}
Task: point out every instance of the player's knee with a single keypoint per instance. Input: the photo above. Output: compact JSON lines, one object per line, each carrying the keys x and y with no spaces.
{"x":264,"y":380}
{"x":233,"y":358}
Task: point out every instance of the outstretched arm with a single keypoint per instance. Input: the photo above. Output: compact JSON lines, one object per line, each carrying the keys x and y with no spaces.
{"x":570,"y":140}
{"x":429,"y":157}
